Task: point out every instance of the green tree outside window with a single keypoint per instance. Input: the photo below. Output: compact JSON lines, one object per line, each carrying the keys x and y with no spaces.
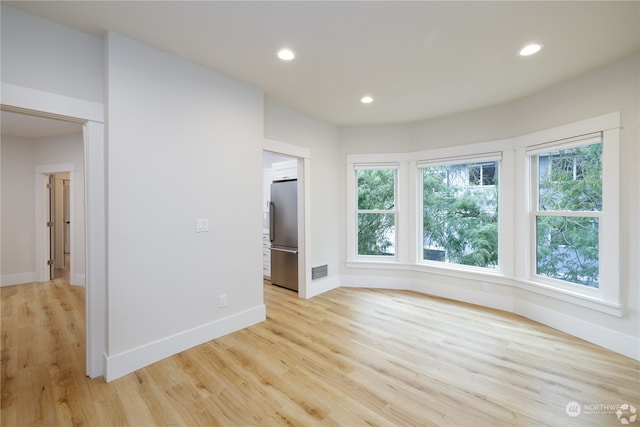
{"x":567,"y":231}
{"x":460,"y":214}
{"x":376,"y":211}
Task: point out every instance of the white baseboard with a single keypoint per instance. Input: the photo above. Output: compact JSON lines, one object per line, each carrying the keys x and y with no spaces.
{"x":498,"y":301}
{"x":319,"y":286}
{"x":506,"y":300}
{"x":610,"y":339}
{"x":376,"y":282}
{"x":79,"y":280}
{"x":124,"y":363}
{"x":18,"y":279}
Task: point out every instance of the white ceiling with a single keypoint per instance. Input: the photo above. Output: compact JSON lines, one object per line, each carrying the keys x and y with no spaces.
{"x":417,"y":59}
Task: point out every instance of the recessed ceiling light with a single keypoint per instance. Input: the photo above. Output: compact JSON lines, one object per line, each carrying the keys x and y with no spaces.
{"x":366,"y":100}
{"x":530,"y":49}
{"x":286,"y":54}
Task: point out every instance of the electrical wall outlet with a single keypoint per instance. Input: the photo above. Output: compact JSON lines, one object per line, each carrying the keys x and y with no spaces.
{"x":222,"y":301}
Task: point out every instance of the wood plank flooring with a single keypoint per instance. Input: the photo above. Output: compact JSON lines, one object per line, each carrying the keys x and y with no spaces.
{"x":350,"y":357}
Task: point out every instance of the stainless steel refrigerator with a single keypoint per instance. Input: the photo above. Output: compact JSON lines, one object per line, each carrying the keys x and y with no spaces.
{"x":283,"y":233}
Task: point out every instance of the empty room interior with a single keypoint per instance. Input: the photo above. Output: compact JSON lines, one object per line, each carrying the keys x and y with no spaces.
{"x":320,"y":213}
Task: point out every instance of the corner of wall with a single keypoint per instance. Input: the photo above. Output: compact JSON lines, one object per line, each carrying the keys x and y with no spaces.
{"x":320,"y":286}
{"x":79,"y":280}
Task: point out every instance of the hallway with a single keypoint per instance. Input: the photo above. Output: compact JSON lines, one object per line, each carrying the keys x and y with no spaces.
{"x":63,"y":273}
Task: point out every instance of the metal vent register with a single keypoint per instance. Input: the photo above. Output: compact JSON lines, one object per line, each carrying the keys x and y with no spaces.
{"x":320,"y":271}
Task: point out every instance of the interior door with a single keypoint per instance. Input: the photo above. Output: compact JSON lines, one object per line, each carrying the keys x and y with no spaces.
{"x":67,"y":217}
{"x":50,"y":222}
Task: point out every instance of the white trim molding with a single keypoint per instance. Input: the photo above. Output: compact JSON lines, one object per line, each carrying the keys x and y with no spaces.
{"x":46,"y":104}
{"x":303,"y":155}
{"x":608,"y":338}
{"x":498,"y":295}
{"x":18,"y":278}
{"x":91,"y":114}
{"x":118,"y":365}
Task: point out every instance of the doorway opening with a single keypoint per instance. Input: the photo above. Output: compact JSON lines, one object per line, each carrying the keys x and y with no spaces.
{"x":280,"y":241}
{"x":36,"y":103}
{"x":286,"y":162}
{"x":60,"y":226}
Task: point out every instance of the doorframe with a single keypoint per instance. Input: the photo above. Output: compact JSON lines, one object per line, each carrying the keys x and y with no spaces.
{"x":303,"y":155}
{"x":42,"y":216}
{"x":46,"y":104}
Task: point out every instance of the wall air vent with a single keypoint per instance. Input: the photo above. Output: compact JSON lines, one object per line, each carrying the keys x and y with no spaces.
{"x":320,"y":271}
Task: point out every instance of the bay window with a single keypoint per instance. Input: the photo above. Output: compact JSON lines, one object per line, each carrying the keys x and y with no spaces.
{"x":539,"y":212}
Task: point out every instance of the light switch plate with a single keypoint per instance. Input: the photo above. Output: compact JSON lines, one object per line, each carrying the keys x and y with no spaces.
{"x":202,"y":225}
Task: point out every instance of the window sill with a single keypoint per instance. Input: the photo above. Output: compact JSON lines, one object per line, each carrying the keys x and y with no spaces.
{"x":390,"y":264}
{"x":445,"y":270}
{"x":590,"y":302}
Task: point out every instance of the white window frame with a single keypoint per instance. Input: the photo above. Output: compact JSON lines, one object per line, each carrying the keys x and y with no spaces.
{"x":535,"y":212}
{"x":515,"y":231}
{"x":368,"y":166}
{"x":606,"y":298}
{"x":460,"y":160}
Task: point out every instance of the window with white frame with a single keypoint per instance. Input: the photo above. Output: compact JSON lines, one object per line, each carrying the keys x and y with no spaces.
{"x":539,"y":211}
{"x":567,"y":210}
{"x":376,"y":210}
{"x":460,"y":215}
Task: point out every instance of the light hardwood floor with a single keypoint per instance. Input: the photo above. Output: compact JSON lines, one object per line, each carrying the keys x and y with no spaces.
{"x":350,"y":357}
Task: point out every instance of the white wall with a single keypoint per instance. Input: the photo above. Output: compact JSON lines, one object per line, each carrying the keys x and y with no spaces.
{"x":18,"y":208}
{"x":374,"y":139}
{"x":43,"y":55}
{"x":19,"y":160}
{"x":292,"y":127}
{"x":612,"y":88}
{"x":488,"y":124}
{"x":183,"y":143}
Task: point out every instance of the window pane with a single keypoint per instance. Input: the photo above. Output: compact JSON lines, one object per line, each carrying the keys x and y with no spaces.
{"x":376,"y":234}
{"x":489,"y":174}
{"x":376,"y":189}
{"x":474,"y":175}
{"x":460,"y":217}
{"x":482,"y":173}
{"x":567,"y":249}
{"x":571,"y":179}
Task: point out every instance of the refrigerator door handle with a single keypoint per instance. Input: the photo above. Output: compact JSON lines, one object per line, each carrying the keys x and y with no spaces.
{"x":271,"y":229}
{"x":290,"y":251}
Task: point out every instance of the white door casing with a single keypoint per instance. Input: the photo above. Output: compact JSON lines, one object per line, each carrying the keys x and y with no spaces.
{"x":304,"y":206}
{"x":32,"y":101}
